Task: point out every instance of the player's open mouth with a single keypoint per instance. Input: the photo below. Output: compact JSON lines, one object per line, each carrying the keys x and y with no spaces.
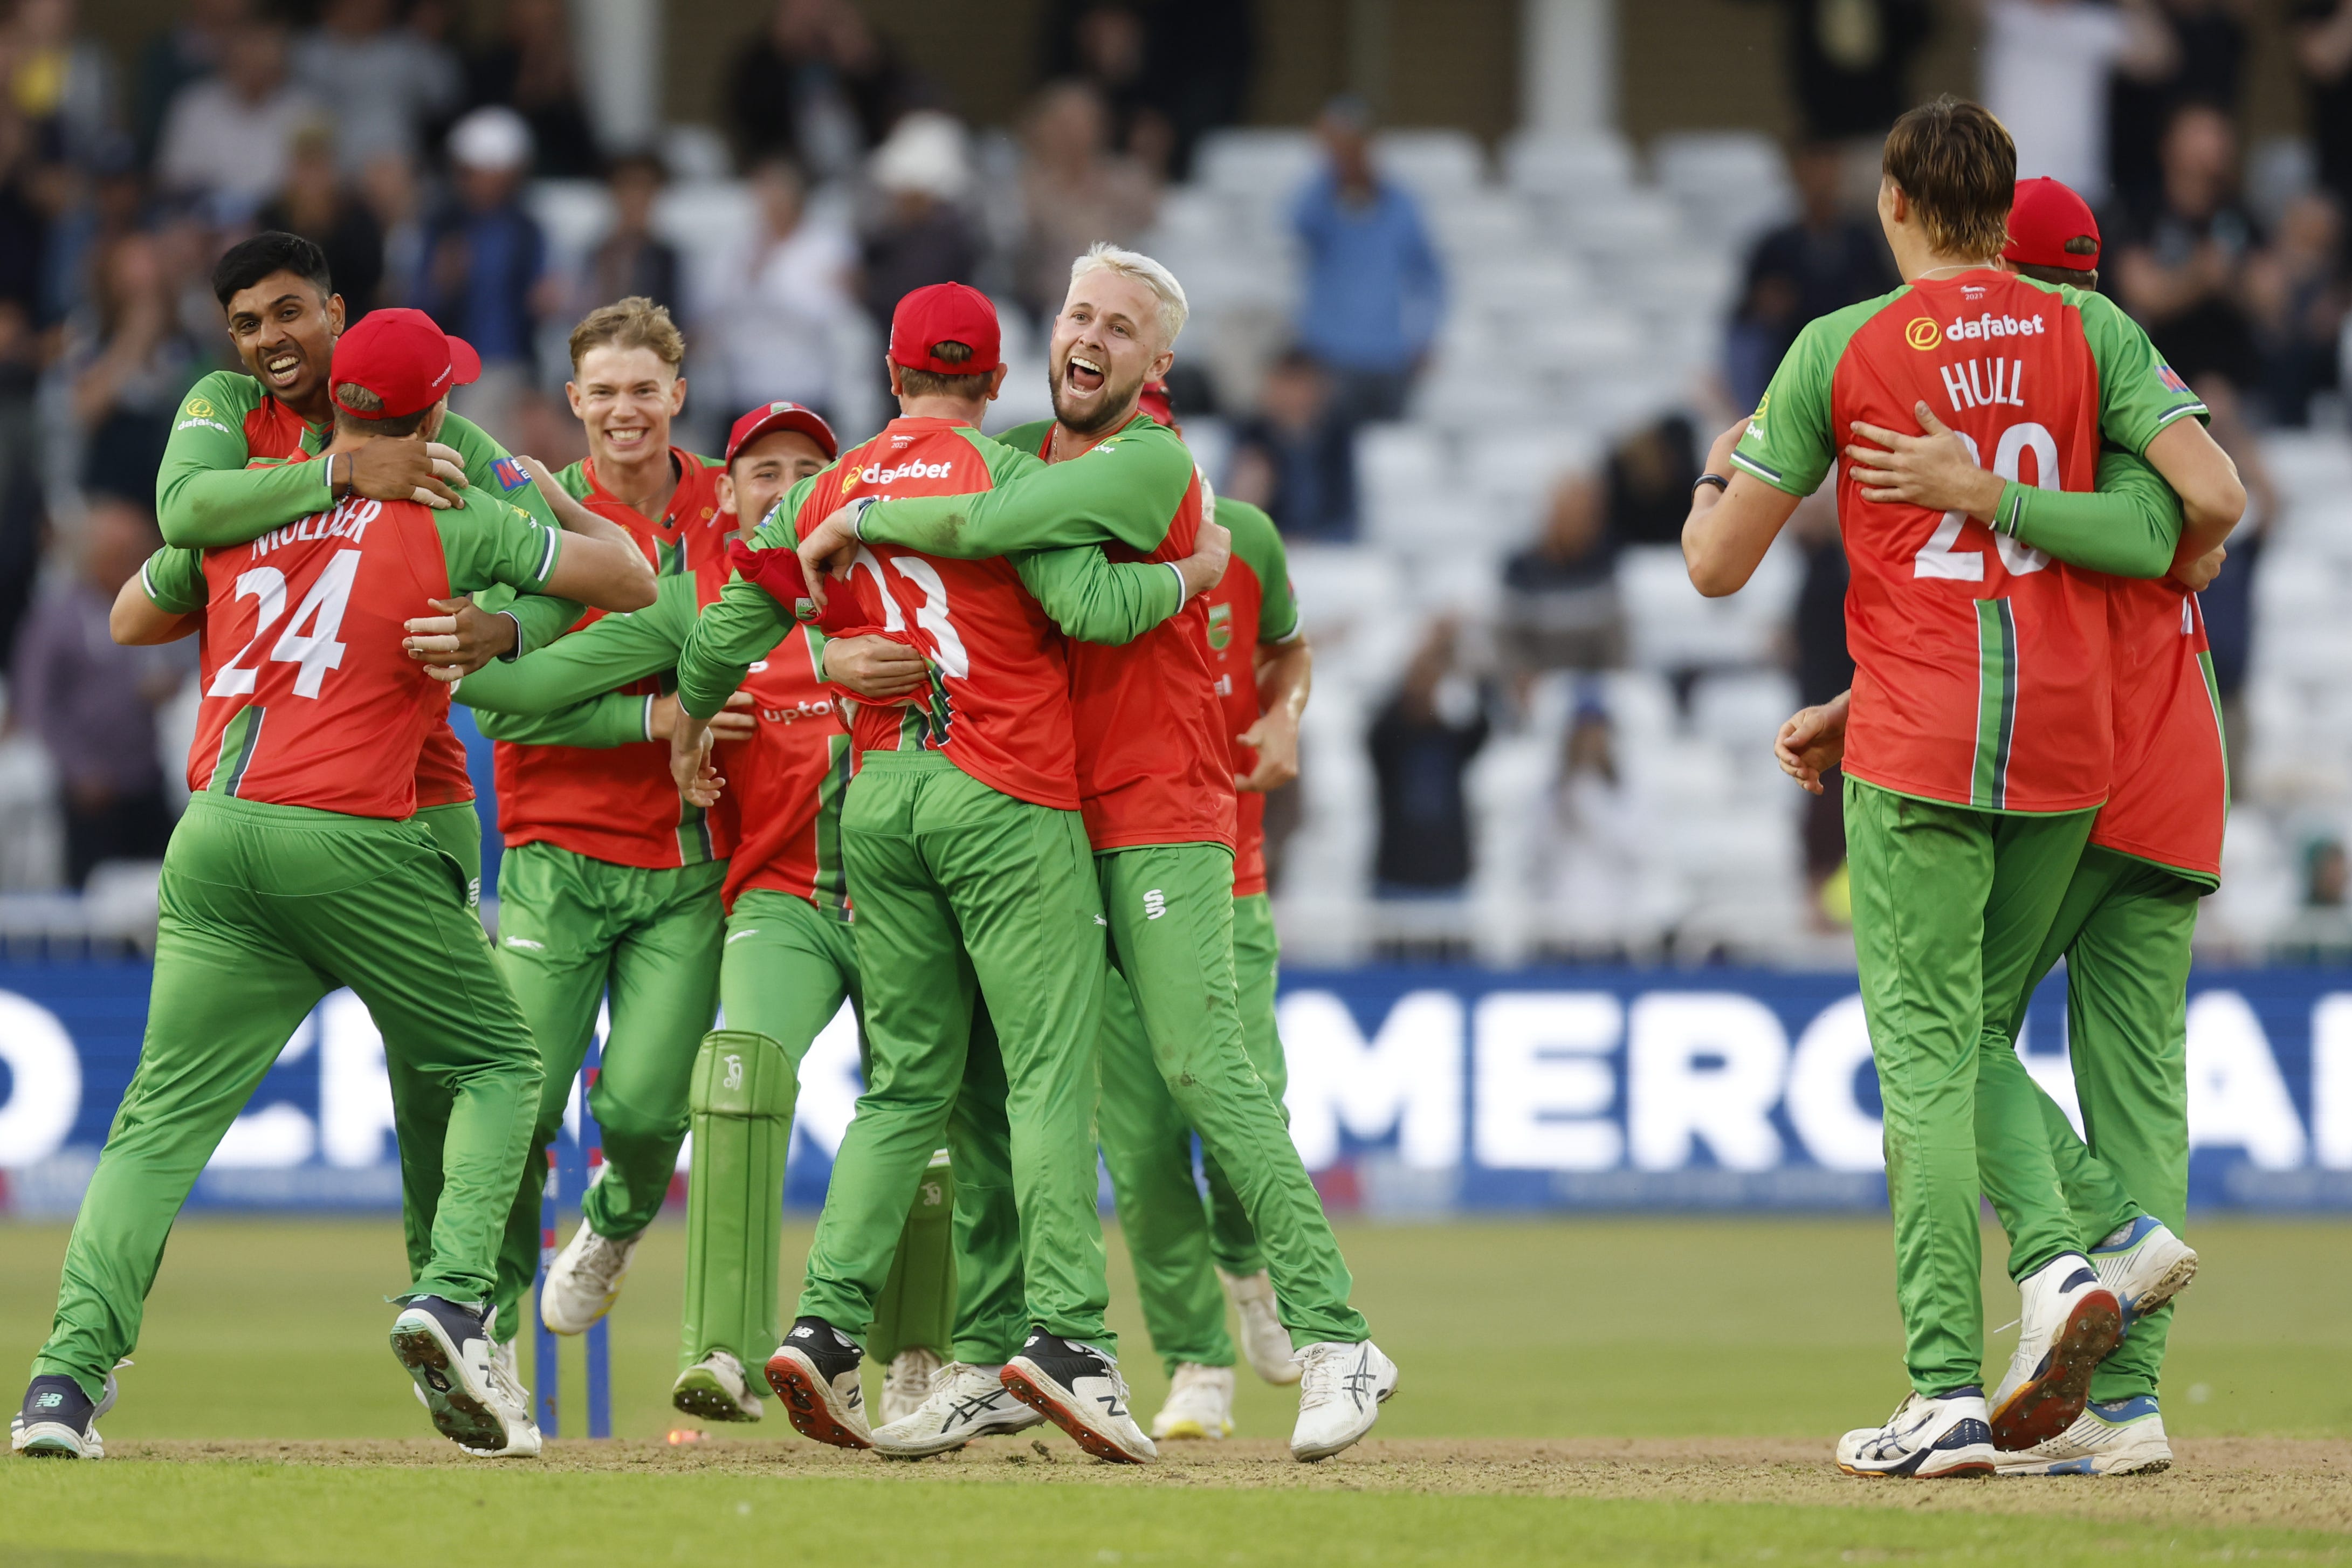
{"x":282,"y":369}
{"x":629,"y":437}
{"x":1081,"y":375}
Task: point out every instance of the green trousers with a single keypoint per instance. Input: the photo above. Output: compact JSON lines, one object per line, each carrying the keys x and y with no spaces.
{"x":457,"y":832}
{"x":1951,"y":907}
{"x":1176,"y":1242}
{"x":2123,"y":929}
{"x":965,"y":894}
{"x":1171,"y":908}
{"x":572,"y":930}
{"x":264,"y":910}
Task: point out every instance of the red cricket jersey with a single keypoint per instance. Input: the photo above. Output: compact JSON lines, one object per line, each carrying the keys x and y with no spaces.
{"x":309,"y":698}
{"x":787,"y":781}
{"x":690,"y":530}
{"x":1231,"y":621}
{"x":2171,"y":796}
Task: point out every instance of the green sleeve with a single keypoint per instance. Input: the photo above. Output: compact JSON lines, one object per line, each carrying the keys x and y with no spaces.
{"x":486,"y":540}
{"x":2139,"y":394}
{"x":745,"y":625}
{"x":539,"y":620}
{"x":1124,"y":491}
{"x":2129,"y":526}
{"x":615,"y":718}
{"x":205,"y":495}
{"x":614,"y":651}
{"x":1095,"y":600}
{"x":174,"y":580}
{"x":1789,"y":443}
{"x":1258,"y":543}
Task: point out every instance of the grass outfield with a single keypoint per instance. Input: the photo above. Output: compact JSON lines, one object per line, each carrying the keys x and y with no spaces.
{"x":1532,"y":1352}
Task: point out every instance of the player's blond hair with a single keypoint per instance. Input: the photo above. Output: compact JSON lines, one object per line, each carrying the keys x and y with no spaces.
{"x":636,"y":323}
{"x":1955,"y":162}
{"x":1104,"y":256}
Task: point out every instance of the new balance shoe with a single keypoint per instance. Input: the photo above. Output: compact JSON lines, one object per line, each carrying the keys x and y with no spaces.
{"x":965,"y":1402}
{"x":2068,"y":1324}
{"x":908,"y":1382}
{"x":2145,"y":1265}
{"x":717,"y":1388}
{"x":2122,"y":1437}
{"x":1341,"y":1388}
{"x":1265,"y":1340}
{"x":1925,"y":1440}
{"x":58,"y":1421}
{"x":1200,"y":1405}
{"x":814,"y":1372}
{"x":585,"y":1280}
{"x":1079,"y":1389}
{"x":468,"y":1384}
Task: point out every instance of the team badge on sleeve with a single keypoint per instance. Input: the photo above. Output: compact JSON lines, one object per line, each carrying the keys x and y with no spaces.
{"x":511,"y":475}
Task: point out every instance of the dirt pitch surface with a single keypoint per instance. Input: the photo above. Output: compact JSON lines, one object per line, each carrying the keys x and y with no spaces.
{"x":2217,"y":1482}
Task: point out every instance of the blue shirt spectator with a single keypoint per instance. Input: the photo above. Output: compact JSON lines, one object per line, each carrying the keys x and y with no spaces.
{"x":1374,"y":291}
{"x":488,"y":256}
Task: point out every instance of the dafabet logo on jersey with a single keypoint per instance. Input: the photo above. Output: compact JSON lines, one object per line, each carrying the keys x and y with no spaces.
{"x":199,"y":411}
{"x":1924,"y":334}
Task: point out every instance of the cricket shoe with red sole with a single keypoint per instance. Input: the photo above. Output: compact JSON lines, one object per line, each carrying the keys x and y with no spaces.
{"x":1925,"y":1440}
{"x":2069,"y":1324}
{"x":814,"y":1372}
{"x":1341,"y":1388}
{"x":1079,"y":1389}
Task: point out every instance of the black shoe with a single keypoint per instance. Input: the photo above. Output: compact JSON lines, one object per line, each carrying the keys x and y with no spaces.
{"x":447,"y":1349}
{"x":814,"y":1372}
{"x":1079,"y":1389}
{"x":57,"y":1422}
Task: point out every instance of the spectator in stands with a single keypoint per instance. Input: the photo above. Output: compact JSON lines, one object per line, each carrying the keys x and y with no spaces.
{"x":2207,"y":44}
{"x":93,"y":703}
{"x":1422,"y":743}
{"x":1169,"y":70}
{"x":2048,"y":65}
{"x":632,"y":259}
{"x":1650,"y":476}
{"x":1105,"y":46}
{"x":2183,"y":254}
{"x":229,"y":136}
{"x":317,"y":204}
{"x":487,"y":275}
{"x":2298,"y":291}
{"x":127,"y":361}
{"x":530,"y":69}
{"x":1075,"y":190}
{"x":385,"y":82}
{"x":1827,"y":258}
{"x":923,"y":233}
{"x":1373,"y":291}
{"x":186,"y":52}
{"x":61,"y":80}
{"x":819,"y":85}
{"x":1292,"y":458}
{"x":1589,"y":846}
{"x":781,"y":295}
{"x":1849,"y":63}
{"x":2320,"y":931}
{"x":1824,"y":669}
{"x":388,"y":186}
{"x":1561,"y":608}
{"x":2323,"y":51}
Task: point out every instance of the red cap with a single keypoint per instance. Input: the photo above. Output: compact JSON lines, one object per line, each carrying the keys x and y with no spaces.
{"x":409,"y":362}
{"x":944,"y":313}
{"x":782,"y":417}
{"x":2050,"y":225}
{"x":1156,"y":402}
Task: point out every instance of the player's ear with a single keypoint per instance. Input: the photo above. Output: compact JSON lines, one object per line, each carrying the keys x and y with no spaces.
{"x":996,"y":380}
{"x":1160,"y":365}
{"x":335,"y":314}
{"x":571,"y":395}
{"x":897,"y":386}
{"x":677,"y":395}
{"x":725,"y":490}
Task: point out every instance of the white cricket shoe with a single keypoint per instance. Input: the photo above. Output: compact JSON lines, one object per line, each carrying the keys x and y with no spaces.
{"x":469,"y":1387}
{"x":908,"y":1382}
{"x":965,"y":1402}
{"x":2123,"y":1438}
{"x":717,"y":1388}
{"x":1924,"y":1439}
{"x":585,"y":1280}
{"x":2068,"y":1324}
{"x":58,"y":1420}
{"x":1200,"y":1405}
{"x":1341,"y":1388}
{"x":1079,"y":1389}
{"x":814,"y":1372}
{"x":1265,"y":1340}
{"x":2145,"y":1265}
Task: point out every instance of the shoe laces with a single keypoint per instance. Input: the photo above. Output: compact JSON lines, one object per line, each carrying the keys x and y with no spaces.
{"x":946,"y":1374}
{"x":1319,"y":1379}
{"x":504,"y":1381}
{"x":602,"y":1259}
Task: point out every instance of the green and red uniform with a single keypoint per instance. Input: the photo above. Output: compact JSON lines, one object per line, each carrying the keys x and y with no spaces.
{"x":297,"y":868}
{"x":1981,"y":734}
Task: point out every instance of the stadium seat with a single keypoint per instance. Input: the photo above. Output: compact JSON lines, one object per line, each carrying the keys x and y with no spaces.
{"x":1435,"y":165}
{"x":1553,"y":163}
{"x":1255,"y":162}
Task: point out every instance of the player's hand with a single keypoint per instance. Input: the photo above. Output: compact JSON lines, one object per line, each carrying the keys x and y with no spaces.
{"x":829,"y":551}
{"x":2199,"y":574}
{"x":459,"y":640}
{"x":736,"y":721}
{"x":689,"y":762}
{"x":1813,"y":742}
{"x":1718,"y":457}
{"x":1202,"y":570}
{"x":1934,"y":470}
{"x":448,"y":464}
{"x":1275,"y":738}
{"x":875,"y":667}
{"x":402,"y":469}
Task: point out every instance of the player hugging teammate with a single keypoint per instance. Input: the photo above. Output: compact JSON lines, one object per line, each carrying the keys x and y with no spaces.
{"x":983,"y":786}
{"x":2032,"y":757}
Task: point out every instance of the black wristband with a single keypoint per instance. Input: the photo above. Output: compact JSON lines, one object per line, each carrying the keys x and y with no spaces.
{"x":1718,"y":480}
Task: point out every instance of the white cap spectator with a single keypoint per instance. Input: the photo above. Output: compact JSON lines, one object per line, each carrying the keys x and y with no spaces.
{"x":495,"y":140}
{"x":926,"y":154}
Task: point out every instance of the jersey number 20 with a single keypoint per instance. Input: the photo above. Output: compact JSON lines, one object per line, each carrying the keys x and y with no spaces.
{"x":1939,"y":559}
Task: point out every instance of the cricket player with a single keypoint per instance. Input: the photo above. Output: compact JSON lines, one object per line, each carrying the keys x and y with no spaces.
{"x":297,"y":868}
{"x":1980,"y":742}
{"x":974,"y":884}
{"x":1181,"y":1251}
{"x":2126,"y":924}
{"x":1156,"y":784}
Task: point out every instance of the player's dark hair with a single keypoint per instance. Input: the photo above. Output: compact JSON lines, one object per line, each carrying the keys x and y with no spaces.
{"x":248,"y":262}
{"x":934,"y":383}
{"x":1957,"y":165}
{"x":2087,"y":280}
{"x":351,"y":394}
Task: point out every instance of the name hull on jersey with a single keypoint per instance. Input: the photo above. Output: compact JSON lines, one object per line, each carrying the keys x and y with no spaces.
{"x":1984,"y":383}
{"x":347,"y":521}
